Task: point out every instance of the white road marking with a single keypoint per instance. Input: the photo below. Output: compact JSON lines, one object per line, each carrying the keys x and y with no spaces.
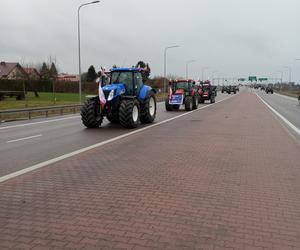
{"x":34,"y":123}
{"x":287,"y":97}
{"x":65,"y":156}
{"x":25,"y":138}
{"x":286,"y":121}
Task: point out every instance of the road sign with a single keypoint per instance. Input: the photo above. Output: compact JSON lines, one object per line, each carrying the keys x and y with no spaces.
{"x":252,"y":78}
{"x":263,"y":79}
{"x":241,"y":79}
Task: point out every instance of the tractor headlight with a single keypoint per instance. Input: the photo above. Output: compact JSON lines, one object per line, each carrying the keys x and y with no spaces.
{"x":111,"y":95}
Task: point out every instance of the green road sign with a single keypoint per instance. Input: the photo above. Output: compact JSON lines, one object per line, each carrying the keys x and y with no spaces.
{"x":252,"y":78}
{"x":263,"y":79}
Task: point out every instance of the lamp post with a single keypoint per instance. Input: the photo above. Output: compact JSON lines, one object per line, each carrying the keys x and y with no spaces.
{"x":187,"y":67}
{"x":290,"y":72}
{"x":165,"y":65}
{"x":79,"y":50}
{"x":281,"y":72}
{"x":212,"y":76}
{"x":203,"y":69}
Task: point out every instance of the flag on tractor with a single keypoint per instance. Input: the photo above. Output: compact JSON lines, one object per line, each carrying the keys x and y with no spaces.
{"x":170,"y":94}
{"x":101,"y":96}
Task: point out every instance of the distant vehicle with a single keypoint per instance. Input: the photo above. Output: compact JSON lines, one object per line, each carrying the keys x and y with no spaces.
{"x":182,"y":92}
{"x":125,"y":100}
{"x":207,"y":92}
{"x":262,"y":87}
{"x":224,"y":89}
{"x":231,"y":89}
{"x":269,"y":89}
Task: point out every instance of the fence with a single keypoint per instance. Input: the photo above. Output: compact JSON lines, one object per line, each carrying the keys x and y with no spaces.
{"x":29,"y":113}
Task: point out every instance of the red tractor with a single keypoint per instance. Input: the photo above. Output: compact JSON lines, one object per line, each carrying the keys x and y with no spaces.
{"x":182,"y":92}
{"x":207,"y":92}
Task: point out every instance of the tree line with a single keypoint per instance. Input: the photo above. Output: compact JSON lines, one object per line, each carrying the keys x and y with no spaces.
{"x":48,"y":72}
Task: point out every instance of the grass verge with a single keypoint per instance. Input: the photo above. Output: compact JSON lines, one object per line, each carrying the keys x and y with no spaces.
{"x":44,"y":99}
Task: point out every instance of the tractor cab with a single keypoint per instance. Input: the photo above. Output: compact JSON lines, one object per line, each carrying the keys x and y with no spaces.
{"x":127,"y":81}
{"x":182,"y":86}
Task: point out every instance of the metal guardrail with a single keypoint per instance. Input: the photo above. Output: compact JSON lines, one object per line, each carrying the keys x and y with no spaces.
{"x":31,"y":111}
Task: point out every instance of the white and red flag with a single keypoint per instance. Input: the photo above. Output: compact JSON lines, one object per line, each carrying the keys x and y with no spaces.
{"x":101,"y":96}
{"x":170,"y":93}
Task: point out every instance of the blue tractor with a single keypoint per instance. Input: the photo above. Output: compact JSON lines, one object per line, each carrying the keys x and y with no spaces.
{"x":127,"y":101}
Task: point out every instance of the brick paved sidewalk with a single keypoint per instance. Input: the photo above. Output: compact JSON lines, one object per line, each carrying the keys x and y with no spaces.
{"x":226,"y":177}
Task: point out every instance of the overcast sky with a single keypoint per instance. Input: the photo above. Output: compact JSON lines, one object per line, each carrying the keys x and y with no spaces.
{"x":236,"y":37}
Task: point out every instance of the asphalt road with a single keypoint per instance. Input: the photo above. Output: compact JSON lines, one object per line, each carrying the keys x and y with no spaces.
{"x":23,"y":144}
{"x":285,"y":105}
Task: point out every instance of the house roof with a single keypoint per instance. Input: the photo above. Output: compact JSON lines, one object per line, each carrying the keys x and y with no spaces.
{"x":6,"y":68}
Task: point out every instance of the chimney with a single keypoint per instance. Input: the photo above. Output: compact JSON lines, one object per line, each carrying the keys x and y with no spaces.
{"x":3,"y":63}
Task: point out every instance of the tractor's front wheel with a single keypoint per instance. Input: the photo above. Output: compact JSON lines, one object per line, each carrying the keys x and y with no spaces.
{"x":175,"y":107}
{"x":188,"y":103}
{"x":169,"y":107}
{"x":129,"y":113}
{"x":113,"y":117}
{"x":195,"y":102}
{"x":201,"y":100}
{"x":91,"y":114}
{"x":148,"y":112}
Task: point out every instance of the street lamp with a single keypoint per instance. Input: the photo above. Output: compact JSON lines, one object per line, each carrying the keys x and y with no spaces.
{"x":79,"y":55}
{"x":187,"y":67}
{"x":212,"y":76}
{"x":290,"y":72}
{"x":279,"y":71}
{"x":203,"y":69}
{"x":165,"y":65}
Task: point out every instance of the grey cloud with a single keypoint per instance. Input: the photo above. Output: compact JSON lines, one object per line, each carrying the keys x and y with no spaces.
{"x":235,"y":37}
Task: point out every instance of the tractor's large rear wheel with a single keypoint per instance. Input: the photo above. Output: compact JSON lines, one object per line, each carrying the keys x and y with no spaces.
{"x":129,"y":113}
{"x":91,"y":114}
{"x":188,"y":103}
{"x":148,"y":111}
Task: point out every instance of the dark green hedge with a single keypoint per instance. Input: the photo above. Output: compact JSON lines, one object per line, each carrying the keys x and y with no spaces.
{"x":47,"y":86}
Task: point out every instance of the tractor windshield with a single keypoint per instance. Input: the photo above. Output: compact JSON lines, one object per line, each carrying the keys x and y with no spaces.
{"x":181,"y":85}
{"x":205,"y":87}
{"x":124,"y":77}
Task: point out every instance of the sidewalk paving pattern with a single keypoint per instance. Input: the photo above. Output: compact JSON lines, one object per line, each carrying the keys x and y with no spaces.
{"x":226,"y":177}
